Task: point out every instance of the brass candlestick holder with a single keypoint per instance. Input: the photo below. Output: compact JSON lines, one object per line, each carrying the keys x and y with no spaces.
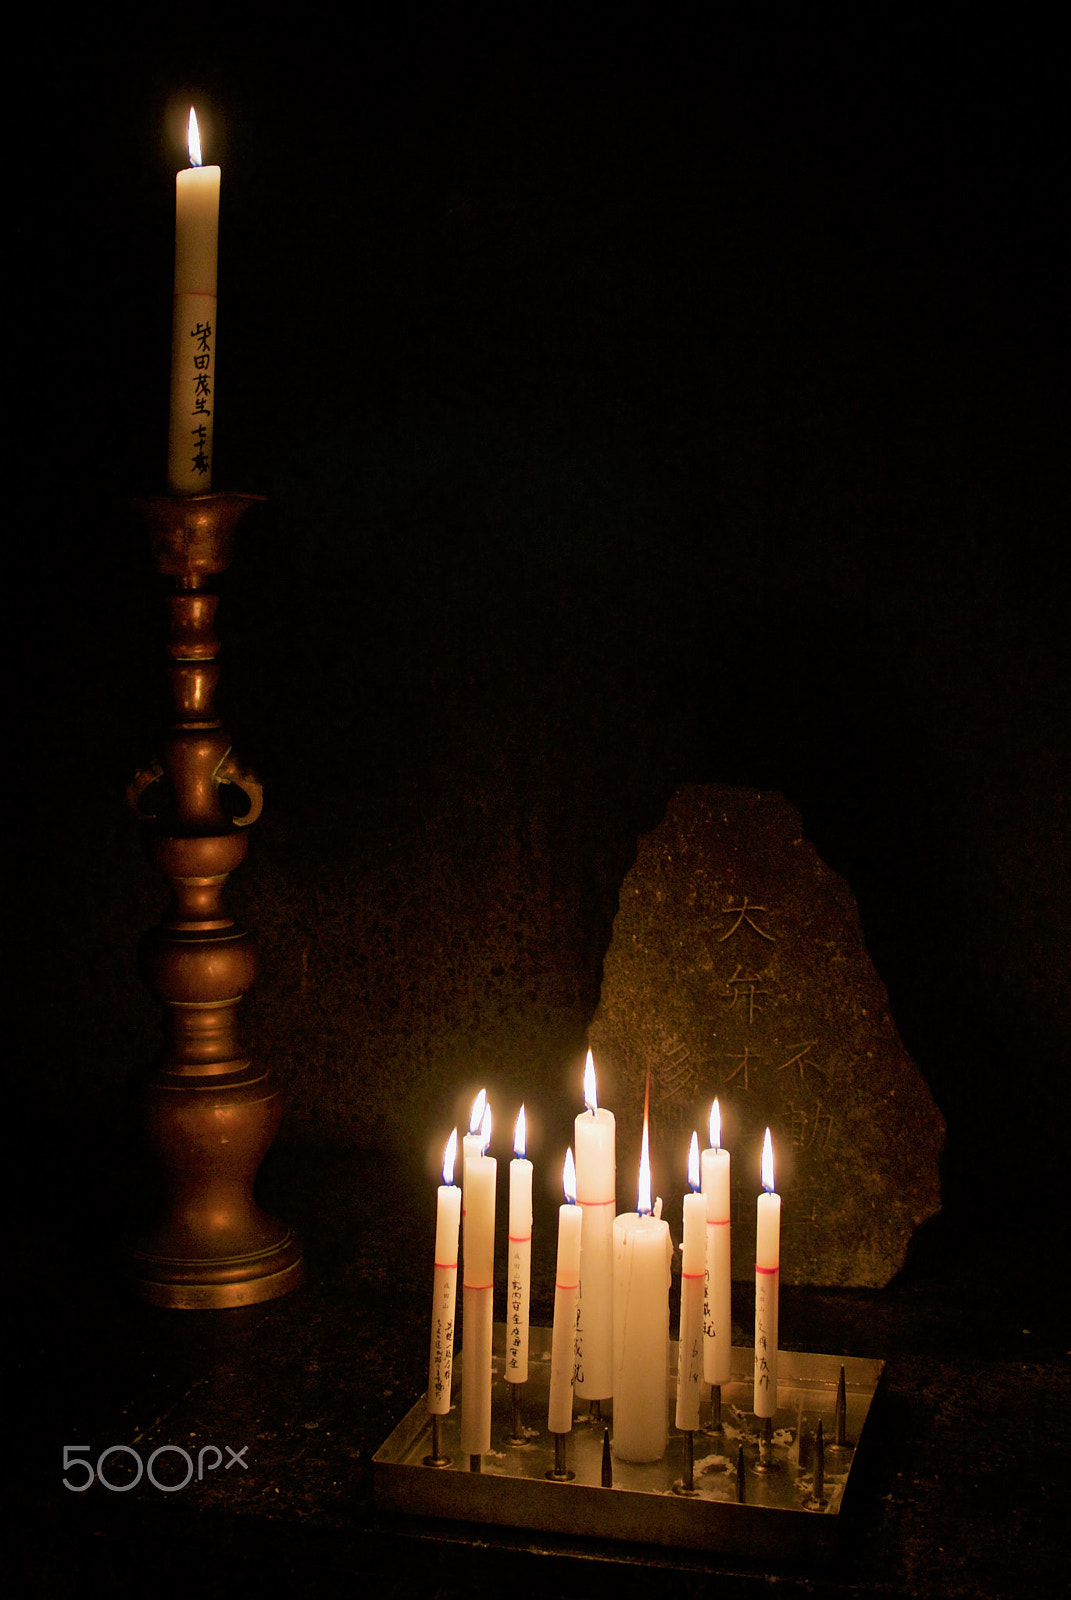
{"x":207,"y":1112}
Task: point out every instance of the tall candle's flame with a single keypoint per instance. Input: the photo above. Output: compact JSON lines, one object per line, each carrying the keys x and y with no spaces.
{"x":715,"y":1126}
{"x":767,"y":1163}
{"x":591,"y":1098}
{"x":693,"y":1162}
{"x":519,"y":1133}
{"x":485,"y":1131}
{"x":450,"y":1157}
{"x":194,"y":140}
{"x":644,"y":1204}
{"x":477,"y":1111}
{"x":569,"y":1177}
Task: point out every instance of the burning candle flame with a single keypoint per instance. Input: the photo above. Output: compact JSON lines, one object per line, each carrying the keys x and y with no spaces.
{"x":693,"y":1163}
{"x":485,"y":1131}
{"x":449,"y":1158}
{"x":644,"y":1204}
{"x":591,"y":1098}
{"x":519,"y":1133}
{"x":477,"y":1111}
{"x":569,"y":1177}
{"x":715,"y":1126}
{"x":767,"y":1163}
{"x":194,"y":140}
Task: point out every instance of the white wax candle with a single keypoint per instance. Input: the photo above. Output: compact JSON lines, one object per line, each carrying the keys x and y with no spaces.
{"x":767,"y":1273}
{"x":444,"y":1290}
{"x":693,"y":1284}
{"x":595,"y":1136}
{"x":642,"y":1252}
{"x":481,"y":1174}
{"x":566,"y":1289}
{"x":520,"y":1258}
{"x":193,"y":328}
{"x":718,"y":1334}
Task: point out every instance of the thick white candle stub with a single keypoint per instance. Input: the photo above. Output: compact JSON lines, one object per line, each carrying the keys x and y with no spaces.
{"x":193,"y":329}
{"x":718,"y":1325}
{"x":767,"y":1273}
{"x":481,"y":1173}
{"x":518,"y":1289}
{"x":566,"y":1289}
{"x":693,"y":1285}
{"x":595,"y":1138}
{"x":642,"y":1252}
{"x":444,"y":1288}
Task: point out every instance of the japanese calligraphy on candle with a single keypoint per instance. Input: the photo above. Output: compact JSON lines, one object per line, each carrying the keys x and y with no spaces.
{"x":193,"y":334}
{"x":738,"y":969}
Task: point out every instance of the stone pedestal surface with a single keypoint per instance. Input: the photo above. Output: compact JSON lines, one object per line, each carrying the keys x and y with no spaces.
{"x":738,"y":969}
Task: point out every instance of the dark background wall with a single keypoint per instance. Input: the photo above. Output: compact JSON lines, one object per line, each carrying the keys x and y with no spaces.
{"x":634,"y":407}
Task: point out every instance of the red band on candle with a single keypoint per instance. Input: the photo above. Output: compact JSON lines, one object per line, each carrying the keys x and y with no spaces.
{"x":611,"y":1202}
{"x":768,"y":1270}
{"x":520,"y":1238}
{"x":480,"y":1288}
{"x":567,"y":1286}
{"x":718,"y":1222}
{"x":692,"y":1276}
{"x":446,"y":1266}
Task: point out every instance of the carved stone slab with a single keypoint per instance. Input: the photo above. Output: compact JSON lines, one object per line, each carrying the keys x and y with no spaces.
{"x":738,"y":969}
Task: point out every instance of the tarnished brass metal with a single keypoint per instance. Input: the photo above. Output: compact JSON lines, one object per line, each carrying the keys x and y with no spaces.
{"x":207,"y":1113}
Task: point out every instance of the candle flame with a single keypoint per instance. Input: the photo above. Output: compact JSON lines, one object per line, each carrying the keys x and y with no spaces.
{"x":715,"y":1126}
{"x":477,"y":1111}
{"x":519,"y":1133}
{"x":693,"y":1162}
{"x":449,"y":1158}
{"x":767,"y":1163}
{"x":485,"y":1131}
{"x":591,"y":1098}
{"x":569,"y":1177}
{"x":644,"y":1204}
{"x":194,"y":140}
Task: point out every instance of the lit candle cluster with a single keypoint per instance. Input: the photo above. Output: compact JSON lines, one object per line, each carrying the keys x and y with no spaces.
{"x":610,"y":1337}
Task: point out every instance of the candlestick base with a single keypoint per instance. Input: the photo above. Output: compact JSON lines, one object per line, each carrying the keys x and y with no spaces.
{"x":731,"y":1508}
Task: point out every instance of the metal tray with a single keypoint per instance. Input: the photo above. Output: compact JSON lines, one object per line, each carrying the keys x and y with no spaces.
{"x":780,"y":1517}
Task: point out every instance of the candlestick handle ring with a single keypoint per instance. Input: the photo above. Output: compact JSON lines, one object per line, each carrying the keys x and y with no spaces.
{"x":207,"y":1112}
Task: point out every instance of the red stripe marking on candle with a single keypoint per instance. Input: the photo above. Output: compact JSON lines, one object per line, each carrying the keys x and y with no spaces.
{"x":567,"y":1286}
{"x":767,"y":1269}
{"x":480,"y":1288}
{"x":447,"y":1266}
{"x":611,"y":1202}
{"x":693,"y":1275}
{"x":717,"y":1222}
{"x":519,"y":1238}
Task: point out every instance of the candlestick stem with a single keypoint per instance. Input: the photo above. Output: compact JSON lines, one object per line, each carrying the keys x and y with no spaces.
{"x":687,"y":1482}
{"x":741,"y":1478}
{"x":607,"y":1474}
{"x":766,"y":1461}
{"x":475,"y":1463}
{"x":560,"y":1472}
{"x":517,"y":1433}
{"x":840,"y":1418}
{"x":595,"y":1413}
{"x":207,"y":1111}
{"x":714,"y":1425}
{"x":436,"y":1458}
{"x":819,"y":1464}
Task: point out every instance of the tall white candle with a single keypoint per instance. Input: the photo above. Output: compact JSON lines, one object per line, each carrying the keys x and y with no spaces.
{"x":444,"y":1289}
{"x":472,"y":1144}
{"x":767,"y":1274}
{"x":481,"y":1173}
{"x":718,"y":1328}
{"x":642,"y":1252}
{"x":693,"y":1284}
{"x":193,"y":328}
{"x":520,"y":1257}
{"x":595,"y":1135}
{"x":566,"y":1289}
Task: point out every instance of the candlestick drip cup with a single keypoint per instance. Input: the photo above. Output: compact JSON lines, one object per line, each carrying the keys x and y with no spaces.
{"x":205,"y":1111}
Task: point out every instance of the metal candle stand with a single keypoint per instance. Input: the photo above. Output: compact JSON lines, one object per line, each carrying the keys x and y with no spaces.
{"x":734,"y":1486}
{"x":207,"y":1112}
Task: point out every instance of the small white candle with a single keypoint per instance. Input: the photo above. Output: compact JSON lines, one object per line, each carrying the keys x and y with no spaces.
{"x":595,"y":1136}
{"x":566,"y":1289}
{"x":444,"y":1289}
{"x":767,"y":1273}
{"x":193,"y":328}
{"x":693,"y":1283}
{"x":520,"y":1257}
{"x":481,"y":1173}
{"x":472,"y":1144}
{"x":718,"y":1335}
{"x":642,"y":1252}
